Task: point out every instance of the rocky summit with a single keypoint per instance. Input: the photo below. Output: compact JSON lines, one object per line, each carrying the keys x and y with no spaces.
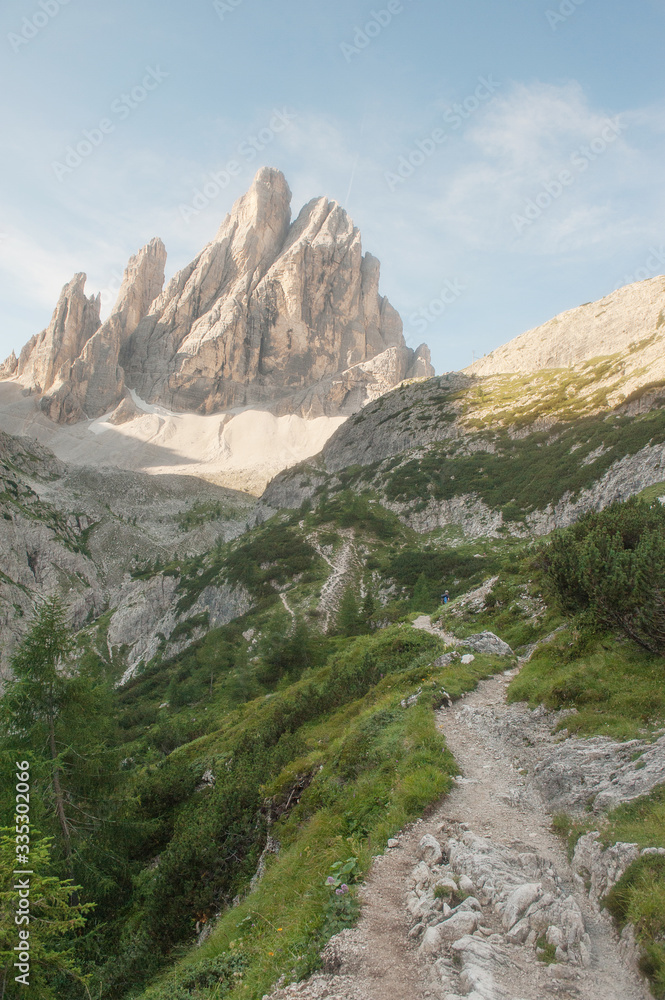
{"x":273,"y":314}
{"x":626,"y":325}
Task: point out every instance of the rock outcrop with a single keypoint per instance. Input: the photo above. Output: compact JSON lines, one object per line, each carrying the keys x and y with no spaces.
{"x":279,"y":316}
{"x":274,"y":315}
{"x":122,"y":520}
{"x":9,"y":367}
{"x":630,"y":321}
{"x":74,"y":321}
{"x":93,"y":383}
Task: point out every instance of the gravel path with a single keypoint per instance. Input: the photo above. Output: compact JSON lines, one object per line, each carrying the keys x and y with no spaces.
{"x":496,"y":837}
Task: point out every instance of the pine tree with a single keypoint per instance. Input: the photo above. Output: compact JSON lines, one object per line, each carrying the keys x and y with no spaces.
{"x":53,"y":919}
{"x":348,"y":618}
{"x":611,"y":564}
{"x":37,"y":695}
{"x":367,"y":611}
{"x":57,"y":712}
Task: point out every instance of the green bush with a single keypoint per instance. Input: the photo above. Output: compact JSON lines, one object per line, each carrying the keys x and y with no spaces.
{"x":612,"y":564}
{"x":436,"y":570}
{"x":525,"y":473}
{"x":350,"y":509}
{"x":272,"y":556}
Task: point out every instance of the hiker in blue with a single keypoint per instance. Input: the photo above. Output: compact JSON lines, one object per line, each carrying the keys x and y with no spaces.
{"x":445,"y":597}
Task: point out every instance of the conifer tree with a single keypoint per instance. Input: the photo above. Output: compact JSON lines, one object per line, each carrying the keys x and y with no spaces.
{"x":36,"y":696}
{"x":367,"y":611}
{"x":348,"y":617}
{"x":53,"y":921}
{"x":57,"y":712}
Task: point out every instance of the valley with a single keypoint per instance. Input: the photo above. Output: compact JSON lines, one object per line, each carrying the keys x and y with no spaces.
{"x":238,"y":540}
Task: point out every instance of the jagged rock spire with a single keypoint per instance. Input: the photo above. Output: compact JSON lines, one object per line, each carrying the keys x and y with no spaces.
{"x":269,"y":314}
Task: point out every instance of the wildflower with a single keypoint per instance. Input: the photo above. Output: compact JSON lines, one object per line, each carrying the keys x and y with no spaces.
{"x":279,"y":928}
{"x":342,"y":891}
{"x":330,"y":880}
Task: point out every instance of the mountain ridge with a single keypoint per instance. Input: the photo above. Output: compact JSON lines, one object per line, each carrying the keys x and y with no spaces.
{"x":271,"y":314}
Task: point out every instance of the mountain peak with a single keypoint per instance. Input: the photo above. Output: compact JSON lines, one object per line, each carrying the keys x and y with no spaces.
{"x":265,"y":206}
{"x":272,"y":314}
{"x":74,"y":320}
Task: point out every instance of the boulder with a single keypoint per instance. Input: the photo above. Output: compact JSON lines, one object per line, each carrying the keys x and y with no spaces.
{"x":488,"y":643}
{"x":421,"y":875}
{"x":429,"y":850}
{"x":452,"y":929}
{"x":519,"y":901}
{"x":465,"y":884}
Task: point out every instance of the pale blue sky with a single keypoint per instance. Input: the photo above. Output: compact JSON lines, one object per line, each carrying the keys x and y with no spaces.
{"x":575,"y":106}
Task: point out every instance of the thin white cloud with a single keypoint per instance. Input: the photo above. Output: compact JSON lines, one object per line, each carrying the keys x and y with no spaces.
{"x":35,"y":271}
{"x":514,"y":155}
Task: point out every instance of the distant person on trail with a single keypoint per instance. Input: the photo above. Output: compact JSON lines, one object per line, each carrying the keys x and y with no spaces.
{"x":445,"y":597}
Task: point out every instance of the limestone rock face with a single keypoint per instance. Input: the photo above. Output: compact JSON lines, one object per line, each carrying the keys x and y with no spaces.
{"x":73,"y":323}
{"x":272,"y":314}
{"x":93,"y":383}
{"x":631,"y":321}
{"x":347,"y":391}
{"x":9,"y":367}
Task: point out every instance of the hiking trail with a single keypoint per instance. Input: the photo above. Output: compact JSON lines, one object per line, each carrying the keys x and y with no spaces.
{"x":491,"y":839}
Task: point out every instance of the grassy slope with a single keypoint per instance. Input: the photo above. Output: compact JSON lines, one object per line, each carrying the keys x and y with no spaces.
{"x":241,"y":704}
{"x":372,"y":766}
{"x":517,"y":442}
{"x":614,"y":687}
{"x":352,"y":773}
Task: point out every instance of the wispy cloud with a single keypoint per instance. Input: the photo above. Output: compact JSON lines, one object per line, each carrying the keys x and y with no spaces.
{"x":523,"y":142}
{"x":437,"y":227}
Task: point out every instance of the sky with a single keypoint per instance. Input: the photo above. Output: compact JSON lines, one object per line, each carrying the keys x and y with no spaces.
{"x":504,"y":161}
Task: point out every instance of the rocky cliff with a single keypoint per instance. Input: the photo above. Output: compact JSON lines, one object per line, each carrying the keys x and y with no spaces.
{"x":82,"y":533}
{"x":92,"y":383}
{"x":630,"y":322}
{"x":273,"y":314}
{"x":74,"y":321}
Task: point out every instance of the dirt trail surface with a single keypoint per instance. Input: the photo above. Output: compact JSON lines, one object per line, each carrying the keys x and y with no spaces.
{"x":333,"y":588}
{"x":506,"y":890}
